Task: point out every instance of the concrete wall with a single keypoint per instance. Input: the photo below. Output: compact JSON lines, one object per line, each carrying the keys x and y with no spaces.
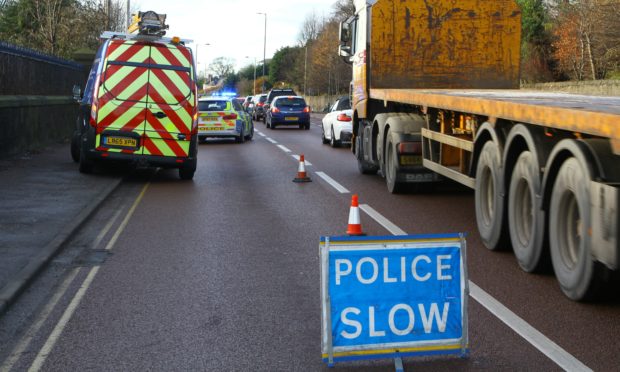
{"x":36,"y":104}
{"x":595,"y":88}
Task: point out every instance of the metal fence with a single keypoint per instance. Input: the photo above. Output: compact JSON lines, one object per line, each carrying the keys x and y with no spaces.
{"x":36,"y":107}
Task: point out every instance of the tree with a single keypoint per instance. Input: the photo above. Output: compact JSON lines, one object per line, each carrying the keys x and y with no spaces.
{"x":284,"y":66}
{"x":222,"y":67}
{"x":310,"y":28}
{"x":592,"y":26}
{"x":536,"y":60}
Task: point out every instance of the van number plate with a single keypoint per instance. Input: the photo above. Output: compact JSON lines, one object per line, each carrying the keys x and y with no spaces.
{"x":121,"y":141}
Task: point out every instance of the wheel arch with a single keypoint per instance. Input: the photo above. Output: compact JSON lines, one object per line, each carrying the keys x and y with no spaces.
{"x":587,"y":152}
{"x":485,"y":133}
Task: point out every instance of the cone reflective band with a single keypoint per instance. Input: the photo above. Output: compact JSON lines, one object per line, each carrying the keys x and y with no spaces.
{"x":301,"y":171}
{"x":355,"y":225}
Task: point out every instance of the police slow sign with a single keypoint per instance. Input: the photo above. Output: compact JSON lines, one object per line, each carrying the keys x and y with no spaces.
{"x":393,"y":296}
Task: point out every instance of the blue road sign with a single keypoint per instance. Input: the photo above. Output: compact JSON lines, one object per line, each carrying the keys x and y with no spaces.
{"x":390,"y":296}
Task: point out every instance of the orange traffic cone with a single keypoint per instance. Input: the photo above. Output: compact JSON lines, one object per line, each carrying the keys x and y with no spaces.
{"x":355,"y":226}
{"x":301,"y":171}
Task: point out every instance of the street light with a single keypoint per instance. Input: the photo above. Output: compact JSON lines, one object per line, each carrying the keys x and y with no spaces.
{"x":264,"y":51}
{"x":197,"y":45}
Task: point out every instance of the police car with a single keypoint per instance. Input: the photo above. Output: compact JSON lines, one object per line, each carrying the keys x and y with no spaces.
{"x":223,"y":116}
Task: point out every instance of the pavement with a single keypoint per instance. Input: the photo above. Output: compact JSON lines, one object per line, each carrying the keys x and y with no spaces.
{"x":44,"y":200}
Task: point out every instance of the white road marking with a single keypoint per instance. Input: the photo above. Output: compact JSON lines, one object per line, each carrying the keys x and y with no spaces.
{"x":49,"y":307}
{"x":126,"y":219}
{"x":23,"y":344}
{"x":395,"y":230}
{"x":541,"y":342}
{"x":554,"y":352}
{"x":284,"y":148}
{"x":262,"y":134}
{"x":75,"y":302}
{"x":62,"y":323}
{"x":306,"y":162}
{"x":270,"y":140}
{"x":341,"y":189}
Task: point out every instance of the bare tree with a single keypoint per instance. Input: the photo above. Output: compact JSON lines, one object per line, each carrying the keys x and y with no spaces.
{"x":310,"y":28}
{"x":222,"y":67}
{"x":343,"y":9}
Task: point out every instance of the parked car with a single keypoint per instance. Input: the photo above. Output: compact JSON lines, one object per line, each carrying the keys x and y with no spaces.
{"x":288,"y":110}
{"x":276,"y":93}
{"x":223,"y":117}
{"x":337,"y":123}
{"x":258,"y":109}
{"x":247,"y":102}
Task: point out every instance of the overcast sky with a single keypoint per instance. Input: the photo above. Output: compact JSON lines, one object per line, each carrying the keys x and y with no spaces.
{"x":232,"y":27}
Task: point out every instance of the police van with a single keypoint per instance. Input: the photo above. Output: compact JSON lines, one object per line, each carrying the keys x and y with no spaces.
{"x":139,"y":103}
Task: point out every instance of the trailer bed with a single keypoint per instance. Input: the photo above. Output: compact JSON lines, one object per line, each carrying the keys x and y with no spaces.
{"x":593,"y":115}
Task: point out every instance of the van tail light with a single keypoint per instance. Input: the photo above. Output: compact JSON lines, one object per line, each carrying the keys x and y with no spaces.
{"x":230,"y":117}
{"x":93,"y":115}
{"x":307,"y":109}
{"x":275,"y":109}
{"x":343,"y":117}
{"x":410,"y":148}
{"x":260,"y":104}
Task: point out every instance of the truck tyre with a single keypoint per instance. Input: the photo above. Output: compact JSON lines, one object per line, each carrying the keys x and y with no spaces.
{"x":362,"y":165}
{"x":524,"y":222}
{"x":489,"y":203}
{"x":569,"y":221}
{"x":391,"y":173}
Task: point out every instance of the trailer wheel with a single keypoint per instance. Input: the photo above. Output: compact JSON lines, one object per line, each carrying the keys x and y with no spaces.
{"x":391,"y":174}
{"x":569,"y":220}
{"x":489,"y":203}
{"x":524,"y":221}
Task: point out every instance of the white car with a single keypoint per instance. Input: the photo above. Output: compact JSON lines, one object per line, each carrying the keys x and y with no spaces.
{"x":337,"y":123}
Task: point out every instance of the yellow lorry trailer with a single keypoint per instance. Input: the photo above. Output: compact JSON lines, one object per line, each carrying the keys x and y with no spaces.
{"x":435,"y":94}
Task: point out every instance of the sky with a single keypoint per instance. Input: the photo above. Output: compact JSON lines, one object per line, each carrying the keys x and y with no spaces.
{"x":233,"y":28}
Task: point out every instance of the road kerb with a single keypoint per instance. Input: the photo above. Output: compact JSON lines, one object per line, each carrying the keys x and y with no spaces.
{"x":21,"y":281}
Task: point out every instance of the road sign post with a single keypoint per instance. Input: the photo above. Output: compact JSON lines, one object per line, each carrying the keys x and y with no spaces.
{"x":393,"y":296}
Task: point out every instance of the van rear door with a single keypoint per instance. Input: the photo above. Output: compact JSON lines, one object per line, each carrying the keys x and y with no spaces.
{"x":122,"y":98}
{"x":170,"y":102}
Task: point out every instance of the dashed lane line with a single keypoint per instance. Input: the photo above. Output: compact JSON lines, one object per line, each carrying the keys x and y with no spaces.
{"x":271,"y":140}
{"x":541,"y":342}
{"x":341,"y":189}
{"x":284,"y":148}
{"x":306,"y":162}
{"x":389,"y":226}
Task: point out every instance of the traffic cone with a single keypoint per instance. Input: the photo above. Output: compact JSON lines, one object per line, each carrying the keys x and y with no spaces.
{"x":355,"y":226}
{"x":301,"y":171}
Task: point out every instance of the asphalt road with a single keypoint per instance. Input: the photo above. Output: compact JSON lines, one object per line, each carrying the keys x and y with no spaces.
{"x":222,"y":273}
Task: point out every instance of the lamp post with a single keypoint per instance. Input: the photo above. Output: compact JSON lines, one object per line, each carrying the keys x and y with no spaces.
{"x":264,"y":51}
{"x":197,"y":45}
